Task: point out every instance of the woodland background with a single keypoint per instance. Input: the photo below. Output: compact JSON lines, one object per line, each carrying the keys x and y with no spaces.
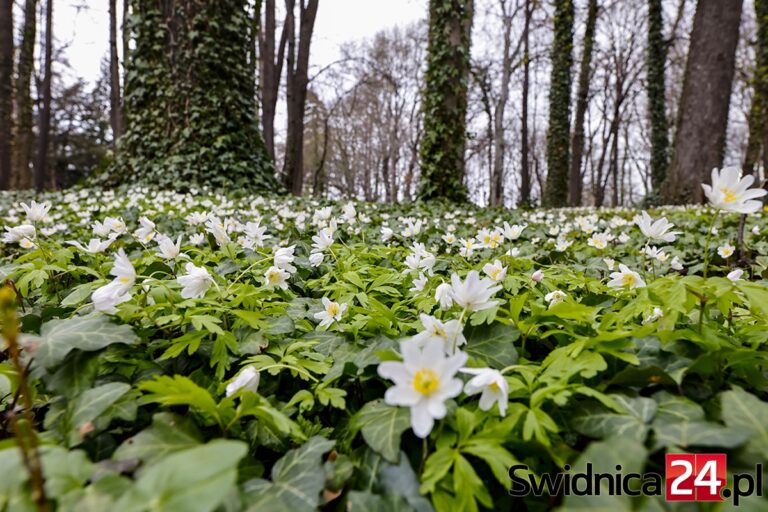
{"x":501,"y":102}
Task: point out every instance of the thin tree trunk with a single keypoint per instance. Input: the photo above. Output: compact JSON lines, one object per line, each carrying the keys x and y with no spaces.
{"x":655,"y":89}
{"x":6,"y":90}
{"x":525,"y":171}
{"x":271,"y":62}
{"x":758,"y":114}
{"x":497,"y":177}
{"x":582,"y":102}
{"x":115,"y":104}
{"x":703,"y":111}
{"x":41,"y":164}
{"x":23,"y":139}
{"x":298,"y":80}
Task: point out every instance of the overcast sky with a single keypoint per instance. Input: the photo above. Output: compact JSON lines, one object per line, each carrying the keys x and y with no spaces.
{"x":83,"y":27}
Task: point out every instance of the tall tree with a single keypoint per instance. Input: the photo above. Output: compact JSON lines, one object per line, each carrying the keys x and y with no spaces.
{"x":705,"y":99}
{"x":271,"y":69}
{"x":655,"y":89}
{"x":525,"y":172}
{"x":6,"y":90}
{"x":44,"y":132}
{"x":23,"y":140}
{"x":445,"y":100}
{"x":115,"y":104}
{"x":758,"y":114}
{"x":558,"y":135}
{"x":189,"y":105}
{"x":582,"y":102}
{"x":297,"y":80}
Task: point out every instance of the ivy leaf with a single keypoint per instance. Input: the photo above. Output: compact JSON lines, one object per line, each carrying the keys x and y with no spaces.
{"x":169,"y":433}
{"x":698,"y":433}
{"x":745,"y":411}
{"x":297,"y":479}
{"x":494,"y":345}
{"x":381,"y":426}
{"x":88,"y":406}
{"x":596,"y":420}
{"x":59,"y":337}
{"x":198,"y":478}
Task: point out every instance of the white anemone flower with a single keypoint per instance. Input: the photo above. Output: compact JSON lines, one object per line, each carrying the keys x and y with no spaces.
{"x":735,"y":275}
{"x":424,"y":380}
{"x":284,"y":257}
{"x":726,"y":250}
{"x":167,"y":249}
{"x":444,"y":295}
{"x":730,"y":192}
{"x":626,"y":278}
{"x":276,"y":277}
{"x":94,"y":245}
{"x":36,"y":212}
{"x":195,"y":282}
{"x":247,"y":379}
{"x":555,"y":297}
{"x":106,"y":298}
{"x":493,"y":386}
{"x":495,"y":271}
{"x":332,"y":312}
{"x":450,"y":333}
{"x":474,"y":294}
{"x":146,"y":232}
{"x":19,"y":233}
{"x":655,"y":230}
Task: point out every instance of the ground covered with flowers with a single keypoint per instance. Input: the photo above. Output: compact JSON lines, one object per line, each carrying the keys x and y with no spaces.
{"x":200,"y":352}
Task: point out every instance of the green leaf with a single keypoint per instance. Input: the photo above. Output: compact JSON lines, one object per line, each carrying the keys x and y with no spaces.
{"x":179,"y":390}
{"x":468,"y":487}
{"x":59,"y":337}
{"x":437,"y":466}
{"x":698,"y":433}
{"x":88,"y":406}
{"x":169,"y":433}
{"x":745,"y":411}
{"x":198,"y":479}
{"x":493,"y":345}
{"x":382,"y":425}
{"x":297,"y":479}
{"x":596,"y":420}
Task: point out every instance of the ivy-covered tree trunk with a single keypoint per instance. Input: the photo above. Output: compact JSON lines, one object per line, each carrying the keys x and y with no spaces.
{"x":655,"y":88}
{"x":582,"y":102}
{"x":445,"y":100}
{"x":758,"y":114}
{"x":190,"y":116}
{"x":703,"y":112}
{"x":558,"y":136}
{"x":24,"y":138}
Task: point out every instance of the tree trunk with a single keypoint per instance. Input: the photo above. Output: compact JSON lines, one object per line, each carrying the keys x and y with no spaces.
{"x":297,"y":82}
{"x":445,"y":100}
{"x":655,"y":89}
{"x":558,"y":134}
{"x":6,"y":90}
{"x":758,"y":114}
{"x":23,"y":140}
{"x":582,"y":102}
{"x":41,"y":162}
{"x":115,"y":104}
{"x":497,"y":177}
{"x":271,"y":71}
{"x":704,"y":103}
{"x":525,"y":171}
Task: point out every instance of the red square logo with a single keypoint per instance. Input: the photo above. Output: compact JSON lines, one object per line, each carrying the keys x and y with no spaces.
{"x":698,"y":477}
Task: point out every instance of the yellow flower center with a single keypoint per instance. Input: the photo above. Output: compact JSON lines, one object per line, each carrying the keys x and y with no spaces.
{"x":124,"y":280}
{"x":494,"y":387}
{"x":425,"y":381}
{"x":273,"y":277}
{"x":730,"y":196}
{"x":628,"y":279}
{"x":495,"y":273}
{"x":439,"y":331}
{"x":333,"y":309}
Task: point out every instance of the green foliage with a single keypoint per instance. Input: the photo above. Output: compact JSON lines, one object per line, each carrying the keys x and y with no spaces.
{"x":189,"y":103}
{"x":445,"y":100}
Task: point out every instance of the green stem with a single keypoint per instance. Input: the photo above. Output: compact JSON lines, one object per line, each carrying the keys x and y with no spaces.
{"x":706,"y":245}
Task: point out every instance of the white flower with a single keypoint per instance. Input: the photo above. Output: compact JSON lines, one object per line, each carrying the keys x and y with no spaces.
{"x":735,"y":275}
{"x":100,"y":228}
{"x":449,"y":238}
{"x":322,"y":241}
{"x":276,"y":277}
{"x":195,"y":283}
{"x":123,"y":270}
{"x":600,"y":240}
{"x":419,"y":284}
{"x":19,"y":233}
{"x":495,"y":271}
{"x":513,"y":232}
{"x":386,"y":233}
{"x":730,"y":192}
{"x":147,"y":230}
{"x":27,"y":244}
{"x":332,"y":313}
{"x":444,"y":295}
{"x":609,"y":263}
{"x":555,"y":297}
{"x":755,"y":230}
{"x":168,"y":250}
{"x":658,"y":230}
{"x":247,"y":379}
{"x":492,"y":384}
{"x":657,"y":313}
{"x":114,"y":225}
{"x":473,"y":294}
{"x":655,"y":253}
{"x":424,"y":380}
{"x":726,"y":250}
{"x":468,"y":247}
{"x":562,"y":245}
{"x":216,"y":227}
{"x":315,"y":259}
{"x":349,"y":212}
{"x":284,"y":257}
{"x":196,"y":239}
{"x":537,"y":276}
{"x":106,"y":298}
{"x":626,"y":277}
{"x":675,"y":264}
{"x":94,"y":245}
{"x":196,"y":218}
{"x":35,"y":211}
{"x":256,"y":233}
{"x":623,"y":238}
{"x":450,"y":333}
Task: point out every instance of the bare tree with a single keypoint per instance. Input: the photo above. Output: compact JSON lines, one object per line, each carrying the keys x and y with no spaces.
{"x":525,"y":173}
{"x":115,"y":104}
{"x":271,"y":67}
{"x":6,"y":90}
{"x":41,"y":161}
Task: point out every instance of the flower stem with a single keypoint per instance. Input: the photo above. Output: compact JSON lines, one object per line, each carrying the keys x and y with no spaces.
{"x":706,"y":244}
